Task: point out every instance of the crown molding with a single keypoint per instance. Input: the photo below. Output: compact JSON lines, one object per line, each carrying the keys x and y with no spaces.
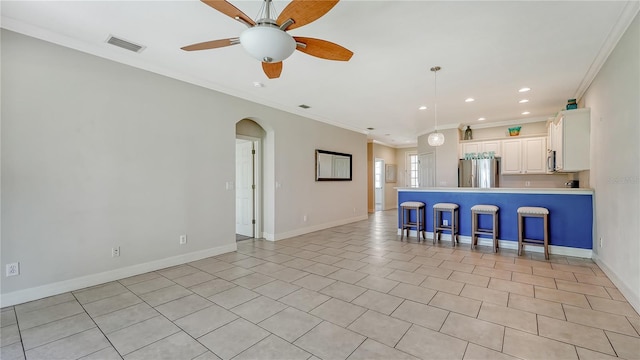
{"x":506,"y":122}
{"x":627,"y":15}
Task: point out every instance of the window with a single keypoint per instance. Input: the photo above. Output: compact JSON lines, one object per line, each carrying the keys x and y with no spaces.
{"x":412,"y":168}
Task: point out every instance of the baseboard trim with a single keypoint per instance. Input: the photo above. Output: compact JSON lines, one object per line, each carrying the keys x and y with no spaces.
{"x":509,"y":244}
{"x":310,"y":229}
{"x":39,"y":292}
{"x":632,"y":297}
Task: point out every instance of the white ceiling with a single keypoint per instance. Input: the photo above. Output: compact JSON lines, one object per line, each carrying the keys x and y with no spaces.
{"x":487,"y":51}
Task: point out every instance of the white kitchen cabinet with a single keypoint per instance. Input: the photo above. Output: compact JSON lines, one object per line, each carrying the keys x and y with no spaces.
{"x":534,"y":155}
{"x":511,"y":156}
{"x":480,"y":147}
{"x":524,"y":156}
{"x":469,"y":148}
{"x":571,"y":136}
{"x":495,"y":146}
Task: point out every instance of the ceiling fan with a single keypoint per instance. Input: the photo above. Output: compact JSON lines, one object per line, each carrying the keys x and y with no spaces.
{"x":266,"y":38}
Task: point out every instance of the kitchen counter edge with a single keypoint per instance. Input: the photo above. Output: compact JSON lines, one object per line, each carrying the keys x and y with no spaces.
{"x":564,"y":191}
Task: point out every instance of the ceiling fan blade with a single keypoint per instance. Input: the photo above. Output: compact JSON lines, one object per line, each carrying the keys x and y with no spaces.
{"x":212,"y":44}
{"x":304,"y":12}
{"x":323,"y":49}
{"x":229,"y":10}
{"x":272,"y":70}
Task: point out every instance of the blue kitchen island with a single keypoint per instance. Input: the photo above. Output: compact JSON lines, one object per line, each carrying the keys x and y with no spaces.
{"x":570,"y":214}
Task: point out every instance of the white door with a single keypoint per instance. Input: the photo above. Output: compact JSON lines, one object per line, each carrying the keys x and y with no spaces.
{"x":378,"y":184}
{"x":427,"y":170}
{"x":244,"y":188}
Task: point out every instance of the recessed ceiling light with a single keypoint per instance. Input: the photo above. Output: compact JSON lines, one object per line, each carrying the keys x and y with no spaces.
{"x":525,"y":113}
{"x":523,"y":101}
{"x":524,"y":89}
{"x":481,"y":119}
{"x":422,"y":107}
{"x":469,"y":100}
{"x":258,"y":84}
{"x":369,"y":128}
{"x":304,"y":106}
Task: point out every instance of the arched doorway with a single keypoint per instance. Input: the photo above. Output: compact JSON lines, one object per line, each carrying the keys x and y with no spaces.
{"x":249,"y":198}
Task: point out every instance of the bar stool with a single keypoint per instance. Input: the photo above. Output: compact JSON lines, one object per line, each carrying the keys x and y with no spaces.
{"x":421,"y":218}
{"x":476,"y":210}
{"x":529,"y":211}
{"x":438,"y":225}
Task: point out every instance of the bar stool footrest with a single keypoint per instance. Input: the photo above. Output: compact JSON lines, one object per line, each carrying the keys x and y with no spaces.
{"x":533,"y":242}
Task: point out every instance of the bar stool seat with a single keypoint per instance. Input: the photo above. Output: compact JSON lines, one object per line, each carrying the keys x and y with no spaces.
{"x":532,"y":211}
{"x":476,"y":210}
{"x":438,"y":226}
{"x":405,"y":218}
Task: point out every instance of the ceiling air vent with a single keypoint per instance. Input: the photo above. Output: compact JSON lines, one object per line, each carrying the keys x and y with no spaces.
{"x":304,"y":106}
{"x":125,"y":44}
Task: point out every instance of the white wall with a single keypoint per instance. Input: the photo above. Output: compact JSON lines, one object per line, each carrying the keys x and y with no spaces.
{"x":403,"y":169}
{"x":446,"y":157}
{"x":388,"y":154}
{"x":615,"y":163}
{"x":325,"y":202}
{"x":96,"y":154}
{"x":498,"y":132}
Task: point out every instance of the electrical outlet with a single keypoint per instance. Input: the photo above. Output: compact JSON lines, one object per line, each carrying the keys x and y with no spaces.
{"x":445,"y":222}
{"x":600,"y":241}
{"x":527,"y":183}
{"x":13,"y":269}
{"x":115,"y":251}
{"x":183,"y":239}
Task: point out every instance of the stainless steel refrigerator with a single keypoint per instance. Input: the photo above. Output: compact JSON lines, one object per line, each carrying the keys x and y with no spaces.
{"x":479,"y":173}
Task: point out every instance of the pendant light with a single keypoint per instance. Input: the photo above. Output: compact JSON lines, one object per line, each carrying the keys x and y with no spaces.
{"x":435,"y":138}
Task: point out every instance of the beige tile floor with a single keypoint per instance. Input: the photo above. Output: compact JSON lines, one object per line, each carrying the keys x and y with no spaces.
{"x":354,"y":291}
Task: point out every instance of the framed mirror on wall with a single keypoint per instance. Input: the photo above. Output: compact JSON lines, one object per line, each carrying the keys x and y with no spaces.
{"x":333,"y":166}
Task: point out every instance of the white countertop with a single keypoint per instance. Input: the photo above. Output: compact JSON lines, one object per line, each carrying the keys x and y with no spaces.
{"x":563,"y":191}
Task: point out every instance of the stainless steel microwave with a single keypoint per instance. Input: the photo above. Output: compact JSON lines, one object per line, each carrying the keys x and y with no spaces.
{"x":551,"y":161}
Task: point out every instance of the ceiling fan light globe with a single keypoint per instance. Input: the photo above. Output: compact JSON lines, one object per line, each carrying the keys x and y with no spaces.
{"x":435,"y":139}
{"x":267,"y":43}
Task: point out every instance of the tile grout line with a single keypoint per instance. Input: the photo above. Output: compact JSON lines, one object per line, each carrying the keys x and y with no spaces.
{"x":98,"y":327}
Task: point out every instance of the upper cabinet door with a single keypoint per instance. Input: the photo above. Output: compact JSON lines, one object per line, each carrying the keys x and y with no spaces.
{"x":481,"y":147}
{"x":534,"y":155}
{"x":558,"y":132}
{"x":511,"y":156}
{"x":489,"y":146}
{"x":570,"y":136}
{"x":470,"y":148}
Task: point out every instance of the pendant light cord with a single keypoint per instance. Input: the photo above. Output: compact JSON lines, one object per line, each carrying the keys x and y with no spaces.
{"x":435,"y":70}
